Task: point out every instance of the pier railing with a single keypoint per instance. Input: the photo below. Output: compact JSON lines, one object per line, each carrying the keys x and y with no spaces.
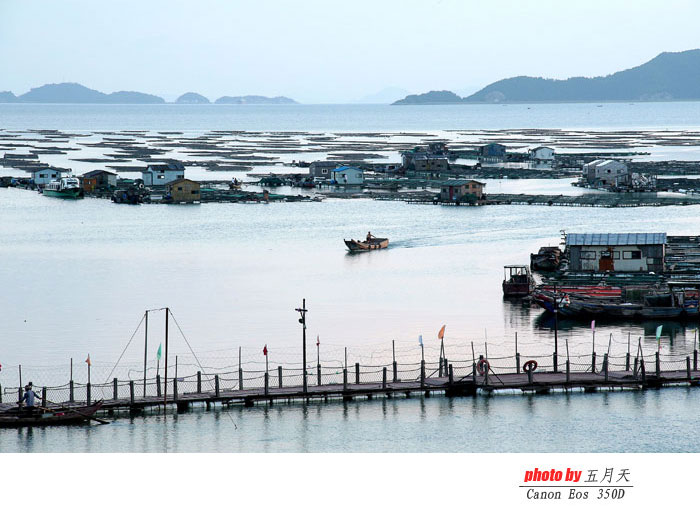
{"x":214,"y":384}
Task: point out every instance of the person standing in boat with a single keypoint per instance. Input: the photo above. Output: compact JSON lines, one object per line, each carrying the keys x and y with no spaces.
{"x":29,"y":397}
{"x":369,"y":236}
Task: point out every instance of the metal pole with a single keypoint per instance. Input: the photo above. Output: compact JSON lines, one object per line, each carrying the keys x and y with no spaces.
{"x":145,"y":354}
{"x":71,"y":368}
{"x":556,"y":327}
{"x":302,"y":320}
{"x":165,"y":389}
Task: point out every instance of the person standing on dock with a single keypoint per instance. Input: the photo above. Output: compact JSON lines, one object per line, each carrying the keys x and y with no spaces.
{"x":28,"y":398}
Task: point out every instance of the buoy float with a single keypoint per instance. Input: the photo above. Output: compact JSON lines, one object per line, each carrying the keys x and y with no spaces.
{"x":483,"y":366}
{"x":530,"y":365}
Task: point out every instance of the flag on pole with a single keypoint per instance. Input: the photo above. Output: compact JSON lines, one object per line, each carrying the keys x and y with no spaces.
{"x":88,"y":362}
{"x":265,"y":350}
{"x":592,"y":325}
{"x":420,"y":340}
{"x":441,"y":334}
{"x":160,"y":350}
{"x":318,"y":341}
{"x":658,"y":332}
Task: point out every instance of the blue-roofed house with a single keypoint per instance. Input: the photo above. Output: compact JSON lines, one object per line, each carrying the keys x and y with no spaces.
{"x":347,"y":175}
{"x":600,"y":252}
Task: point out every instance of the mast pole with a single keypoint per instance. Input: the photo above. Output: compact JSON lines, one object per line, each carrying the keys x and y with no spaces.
{"x":165,"y":388}
{"x":145,"y":355}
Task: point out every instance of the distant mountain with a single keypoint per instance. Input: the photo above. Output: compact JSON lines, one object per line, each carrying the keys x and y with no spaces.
{"x":386,"y":95}
{"x":434,"y":97}
{"x":62,"y":93}
{"x":192,"y":98}
{"x":129,"y":96}
{"x":254,"y":100}
{"x":7,"y":97}
{"x":669,"y":76}
{"x":76,"y":93}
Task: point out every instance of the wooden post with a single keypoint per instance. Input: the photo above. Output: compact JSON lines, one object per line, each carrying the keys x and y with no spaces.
{"x":345,"y":379}
{"x":593,"y":362}
{"x":0,"y":393}
{"x":636,"y":365}
{"x":357,"y":372}
{"x":240,"y":379}
{"x":451,"y":374}
{"x":318,"y":374}
{"x":555,"y":362}
{"x":695,"y":360}
{"x":395,"y":368}
{"x":422,"y":373}
{"x":517,"y":363}
{"x":687,"y":367}
{"x":658,"y":365}
{"x":89,"y":393}
{"x":115,"y":393}
{"x":132,"y":392}
{"x":474,"y":372}
{"x":529,"y":374}
{"x":383,"y":377}
{"x":644,"y":372}
{"x":217,"y":390}
{"x":43,"y":397}
{"x":605,"y":365}
{"x":627,"y":362}
{"x":447,"y":368}
{"x":158,"y":390}
{"x":199,"y":382}
{"x":71,"y":391}
{"x":267,"y":383}
{"x":568,"y":370}
{"x":175,"y":389}
{"x":279,"y":376}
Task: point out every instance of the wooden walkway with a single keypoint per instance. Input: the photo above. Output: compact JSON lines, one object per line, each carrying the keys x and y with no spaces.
{"x":538,"y":382}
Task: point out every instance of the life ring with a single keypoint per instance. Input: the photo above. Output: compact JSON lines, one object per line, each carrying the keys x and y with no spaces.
{"x":482,"y":366}
{"x":530,"y":365}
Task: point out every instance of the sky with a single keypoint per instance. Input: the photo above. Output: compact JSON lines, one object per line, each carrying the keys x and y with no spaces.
{"x":326,"y":51}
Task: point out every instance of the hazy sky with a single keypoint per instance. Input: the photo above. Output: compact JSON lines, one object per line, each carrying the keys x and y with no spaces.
{"x":326,"y":51}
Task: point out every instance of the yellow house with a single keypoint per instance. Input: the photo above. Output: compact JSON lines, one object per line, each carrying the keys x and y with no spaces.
{"x":183,"y":191}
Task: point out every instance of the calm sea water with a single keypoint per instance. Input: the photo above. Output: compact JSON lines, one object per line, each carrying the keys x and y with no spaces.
{"x":77,"y":276}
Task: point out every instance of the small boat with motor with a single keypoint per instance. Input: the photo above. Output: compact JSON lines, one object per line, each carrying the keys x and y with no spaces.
{"x":370,"y":243}
{"x":40,"y":416}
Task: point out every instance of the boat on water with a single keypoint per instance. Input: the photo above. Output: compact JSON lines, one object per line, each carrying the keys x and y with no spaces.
{"x":677,"y":304}
{"x":66,"y":188}
{"x":41,"y":416}
{"x":374,"y":243}
{"x":547,"y":258}
{"x":517,"y":281}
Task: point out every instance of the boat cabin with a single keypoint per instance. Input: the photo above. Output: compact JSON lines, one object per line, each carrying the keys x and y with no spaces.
{"x":517,"y":281}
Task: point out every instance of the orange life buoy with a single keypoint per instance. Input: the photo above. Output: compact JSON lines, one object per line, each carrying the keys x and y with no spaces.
{"x":482,"y":366}
{"x":530,"y":365}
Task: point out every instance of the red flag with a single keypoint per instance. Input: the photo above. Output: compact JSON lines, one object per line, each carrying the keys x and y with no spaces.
{"x":318,"y":341}
{"x":441,"y":334}
{"x":88,"y":361}
{"x":265,"y":350}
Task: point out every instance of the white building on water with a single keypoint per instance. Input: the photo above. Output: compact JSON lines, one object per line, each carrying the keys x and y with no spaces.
{"x":162,"y":174}
{"x":606,"y":172}
{"x":541,"y":154}
{"x":347,"y":175}
{"x":44,"y":175}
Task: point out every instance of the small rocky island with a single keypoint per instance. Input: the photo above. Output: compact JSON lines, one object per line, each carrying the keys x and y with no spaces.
{"x":192,"y":98}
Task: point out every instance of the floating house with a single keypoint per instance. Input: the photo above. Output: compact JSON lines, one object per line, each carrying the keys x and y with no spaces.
{"x":162,"y":174}
{"x":434,"y":156}
{"x":541,"y":154}
{"x":98,"y":180}
{"x":430,"y":163}
{"x":183,"y":191}
{"x":494,"y":151}
{"x":347,"y":175}
{"x":631,"y":252}
{"x":322,"y":169}
{"x":606,"y":172}
{"x":461,"y":191}
{"x":43,"y":175}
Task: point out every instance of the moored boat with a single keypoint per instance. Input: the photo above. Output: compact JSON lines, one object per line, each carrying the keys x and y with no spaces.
{"x":41,"y":416}
{"x":375,"y":243}
{"x":66,"y":188}
{"x":547,"y":258}
{"x":517,"y":281}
